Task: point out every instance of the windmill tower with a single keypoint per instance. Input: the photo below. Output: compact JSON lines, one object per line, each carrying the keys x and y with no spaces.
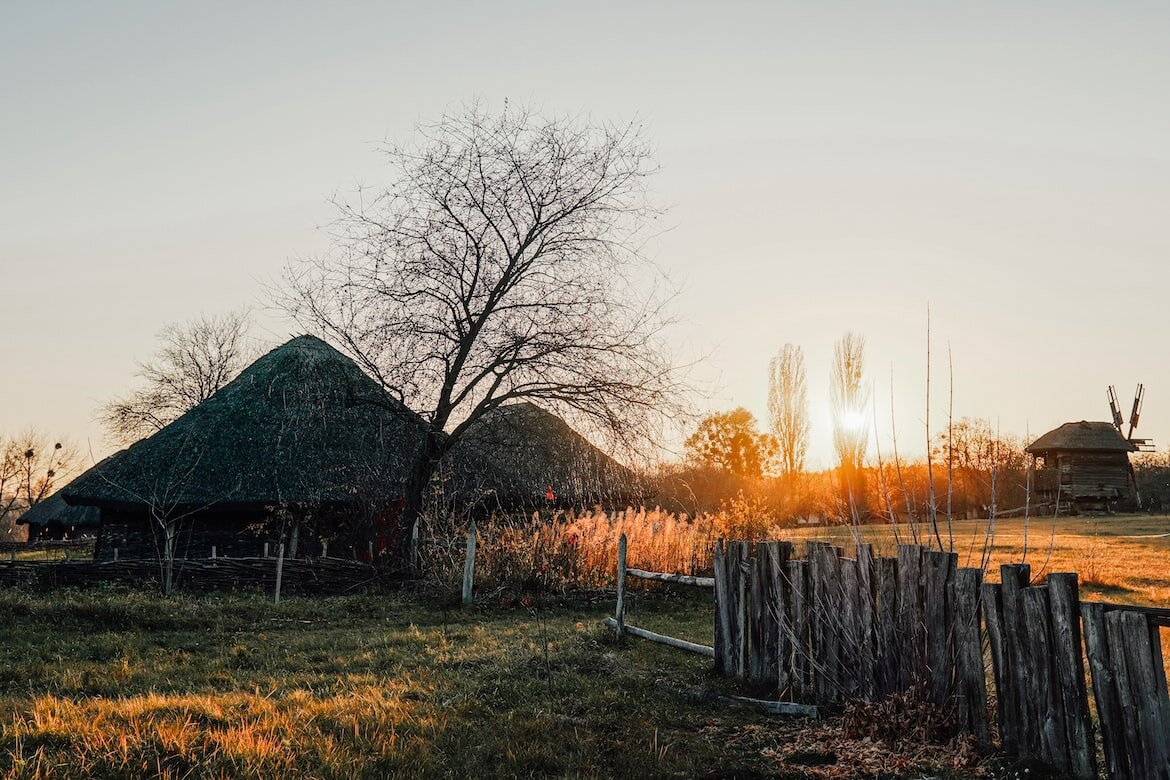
{"x":1085,"y":465}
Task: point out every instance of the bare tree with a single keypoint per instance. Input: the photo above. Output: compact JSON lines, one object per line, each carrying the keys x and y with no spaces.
{"x":502,"y":264}
{"x":849,"y":395}
{"x":788,"y":407}
{"x":195,"y":359}
{"x":30,"y":469}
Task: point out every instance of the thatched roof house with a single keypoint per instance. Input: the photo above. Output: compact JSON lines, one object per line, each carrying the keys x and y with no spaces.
{"x":1084,"y":464}
{"x":522,"y":456}
{"x":52,"y":518}
{"x":303,"y":428}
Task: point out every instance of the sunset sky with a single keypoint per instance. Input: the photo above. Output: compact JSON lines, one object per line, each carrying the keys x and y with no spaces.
{"x":827,"y":167}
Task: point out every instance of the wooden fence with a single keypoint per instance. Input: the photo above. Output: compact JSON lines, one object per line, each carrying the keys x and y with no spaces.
{"x":84,"y":544}
{"x":300,"y":575}
{"x":829,"y":628}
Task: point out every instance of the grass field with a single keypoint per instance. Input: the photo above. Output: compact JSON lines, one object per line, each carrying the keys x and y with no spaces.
{"x":115,"y":683}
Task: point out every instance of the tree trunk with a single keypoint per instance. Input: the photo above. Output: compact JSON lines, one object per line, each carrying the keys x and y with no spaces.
{"x":424,"y":469}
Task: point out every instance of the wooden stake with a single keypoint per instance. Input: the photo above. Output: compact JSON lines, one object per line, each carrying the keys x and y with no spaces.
{"x":469,"y":564}
{"x":619,"y":614}
{"x":279,"y":569}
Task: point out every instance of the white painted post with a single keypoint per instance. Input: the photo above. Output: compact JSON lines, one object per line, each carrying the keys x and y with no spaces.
{"x":266,"y":549}
{"x":371,"y":544}
{"x":325,"y":548}
{"x":620,"y":611}
{"x":213,"y":552}
{"x":469,"y":564}
{"x":115,"y":555}
{"x":279,"y":569}
{"x":414,"y":545}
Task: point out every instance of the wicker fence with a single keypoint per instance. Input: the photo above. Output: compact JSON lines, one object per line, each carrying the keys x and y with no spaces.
{"x":829,"y":628}
{"x":301,"y":575}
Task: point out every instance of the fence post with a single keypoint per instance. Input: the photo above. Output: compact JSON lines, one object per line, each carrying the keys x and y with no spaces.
{"x":1024,"y":738}
{"x":279,"y":569}
{"x":937,"y":571}
{"x":115,"y":555}
{"x":970,"y":681}
{"x":797,"y":622}
{"x":414,"y":545}
{"x":722,"y":638}
{"x":213,"y":552}
{"x":1043,"y":691}
{"x":469,"y":564}
{"x":266,"y":549}
{"x":620,"y":610}
{"x":1105,"y":691}
{"x":1064,"y":602}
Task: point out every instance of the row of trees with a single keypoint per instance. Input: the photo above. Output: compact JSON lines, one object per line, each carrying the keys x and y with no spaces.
{"x":972,"y":466}
{"x":730,"y":440}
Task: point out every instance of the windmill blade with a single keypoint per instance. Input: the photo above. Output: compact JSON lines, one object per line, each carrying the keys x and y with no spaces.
{"x":1115,"y":408}
{"x":1138,"y":396}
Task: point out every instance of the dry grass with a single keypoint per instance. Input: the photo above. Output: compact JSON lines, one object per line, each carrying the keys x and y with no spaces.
{"x":122,"y":684}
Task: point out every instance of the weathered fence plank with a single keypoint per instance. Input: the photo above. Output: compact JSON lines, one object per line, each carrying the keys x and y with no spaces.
{"x":1130,"y":640}
{"x":1135,"y":755}
{"x":1002,"y":673}
{"x":888,"y":648}
{"x":798,"y":632}
{"x":848,"y":622}
{"x":866,"y":607}
{"x":1064,"y":604}
{"x":1105,"y":691}
{"x":970,"y":680}
{"x":911,"y":630}
{"x":724,"y":663}
{"x":937,"y":568}
{"x":1044,"y":692}
{"x":1024,"y":739}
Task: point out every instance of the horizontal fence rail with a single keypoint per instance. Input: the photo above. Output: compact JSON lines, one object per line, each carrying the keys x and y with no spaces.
{"x":618,"y":621}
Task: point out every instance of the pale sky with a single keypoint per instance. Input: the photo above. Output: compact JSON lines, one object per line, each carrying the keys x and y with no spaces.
{"x":827,"y":166}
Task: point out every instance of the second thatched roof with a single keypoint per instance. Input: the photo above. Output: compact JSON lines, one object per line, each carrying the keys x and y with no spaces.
{"x":303,"y":424}
{"x":1081,"y":436}
{"x":519,"y":453}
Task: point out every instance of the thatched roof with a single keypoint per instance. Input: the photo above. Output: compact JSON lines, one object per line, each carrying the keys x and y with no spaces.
{"x":513,"y":455}
{"x":1082,"y":436}
{"x":54,"y":512}
{"x":303,"y":424}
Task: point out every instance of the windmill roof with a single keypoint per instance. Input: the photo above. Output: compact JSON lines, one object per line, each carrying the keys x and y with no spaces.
{"x":302,"y":424}
{"x":1084,"y":436}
